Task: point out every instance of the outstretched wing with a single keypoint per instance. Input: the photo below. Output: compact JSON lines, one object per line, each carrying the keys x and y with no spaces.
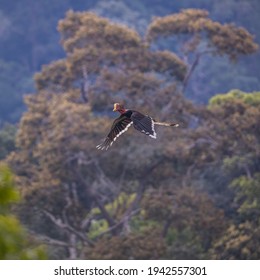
{"x":144,"y":124}
{"x":120,"y":125}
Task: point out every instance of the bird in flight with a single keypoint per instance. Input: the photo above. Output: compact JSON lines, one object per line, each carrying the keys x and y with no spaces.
{"x":142,"y":123}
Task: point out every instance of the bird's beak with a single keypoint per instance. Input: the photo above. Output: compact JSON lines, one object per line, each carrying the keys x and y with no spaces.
{"x":115,"y":108}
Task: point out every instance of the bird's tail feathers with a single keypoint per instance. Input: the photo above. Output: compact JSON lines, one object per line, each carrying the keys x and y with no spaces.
{"x":166,"y":124}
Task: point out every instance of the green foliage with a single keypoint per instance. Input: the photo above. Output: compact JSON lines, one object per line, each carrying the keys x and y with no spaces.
{"x":7,"y":140}
{"x":248,"y":194}
{"x":98,"y":227}
{"x":138,"y":246}
{"x":237,"y":120}
{"x":117,"y":207}
{"x":14,"y":242}
{"x":252,"y":99}
{"x":238,"y":243}
{"x":184,"y":244}
{"x":7,"y":192}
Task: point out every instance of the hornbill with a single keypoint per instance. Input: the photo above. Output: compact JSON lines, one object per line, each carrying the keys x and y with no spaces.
{"x":142,"y":123}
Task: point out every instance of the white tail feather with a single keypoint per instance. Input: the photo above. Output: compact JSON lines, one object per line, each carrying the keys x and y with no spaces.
{"x":166,"y":124}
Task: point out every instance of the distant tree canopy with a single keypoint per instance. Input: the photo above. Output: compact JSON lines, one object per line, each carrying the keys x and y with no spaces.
{"x":29,"y":39}
{"x":220,"y":38}
{"x":238,"y":125}
{"x":201,"y":36}
{"x":163,"y":196}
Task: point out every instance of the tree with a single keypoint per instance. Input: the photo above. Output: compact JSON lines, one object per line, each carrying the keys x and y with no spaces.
{"x":83,"y":198}
{"x":240,"y":242}
{"x":30,"y":39}
{"x":14,"y":241}
{"x":7,"y":140}
{"x":234,"y":171}
{"x":202,"y":36}
{"x":237,"y":118}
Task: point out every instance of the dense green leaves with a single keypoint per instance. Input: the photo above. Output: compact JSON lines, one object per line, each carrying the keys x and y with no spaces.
{"x":7,"y":191}
{"x":14,"y":241}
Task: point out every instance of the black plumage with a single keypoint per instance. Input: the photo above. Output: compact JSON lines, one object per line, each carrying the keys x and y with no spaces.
{"x":142,"y":123}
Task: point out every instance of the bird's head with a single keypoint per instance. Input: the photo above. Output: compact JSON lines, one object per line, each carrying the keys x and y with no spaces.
{"x":119,"y":108}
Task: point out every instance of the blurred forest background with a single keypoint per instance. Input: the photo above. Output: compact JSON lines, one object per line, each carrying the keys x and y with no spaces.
{"x":194,"y":193}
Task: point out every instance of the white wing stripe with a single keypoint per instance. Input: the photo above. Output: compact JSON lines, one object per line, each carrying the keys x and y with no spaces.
{"x":121,"y":132}
{"x":103,"y":146}
{"x":154,"y":133}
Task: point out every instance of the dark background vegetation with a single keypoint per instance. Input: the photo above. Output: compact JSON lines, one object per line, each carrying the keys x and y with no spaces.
{"x":194,"y":193}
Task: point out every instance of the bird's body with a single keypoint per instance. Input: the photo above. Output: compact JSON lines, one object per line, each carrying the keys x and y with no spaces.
{"x":142,"y":123}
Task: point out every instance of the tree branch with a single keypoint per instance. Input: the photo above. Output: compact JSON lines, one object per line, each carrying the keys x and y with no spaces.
{"x":49,"y":240}
{"x":193,"y":66}
{"x":247,"y":170}
{"x":60,"y":224}
{"x":85,"y":224}
{"x":95,"y":197}
{"x":166,"y":228}
{"x":84,"y":84}
{"x":115,"y":226}
{"x":141,"y":188}
{"x":104,"y":212}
